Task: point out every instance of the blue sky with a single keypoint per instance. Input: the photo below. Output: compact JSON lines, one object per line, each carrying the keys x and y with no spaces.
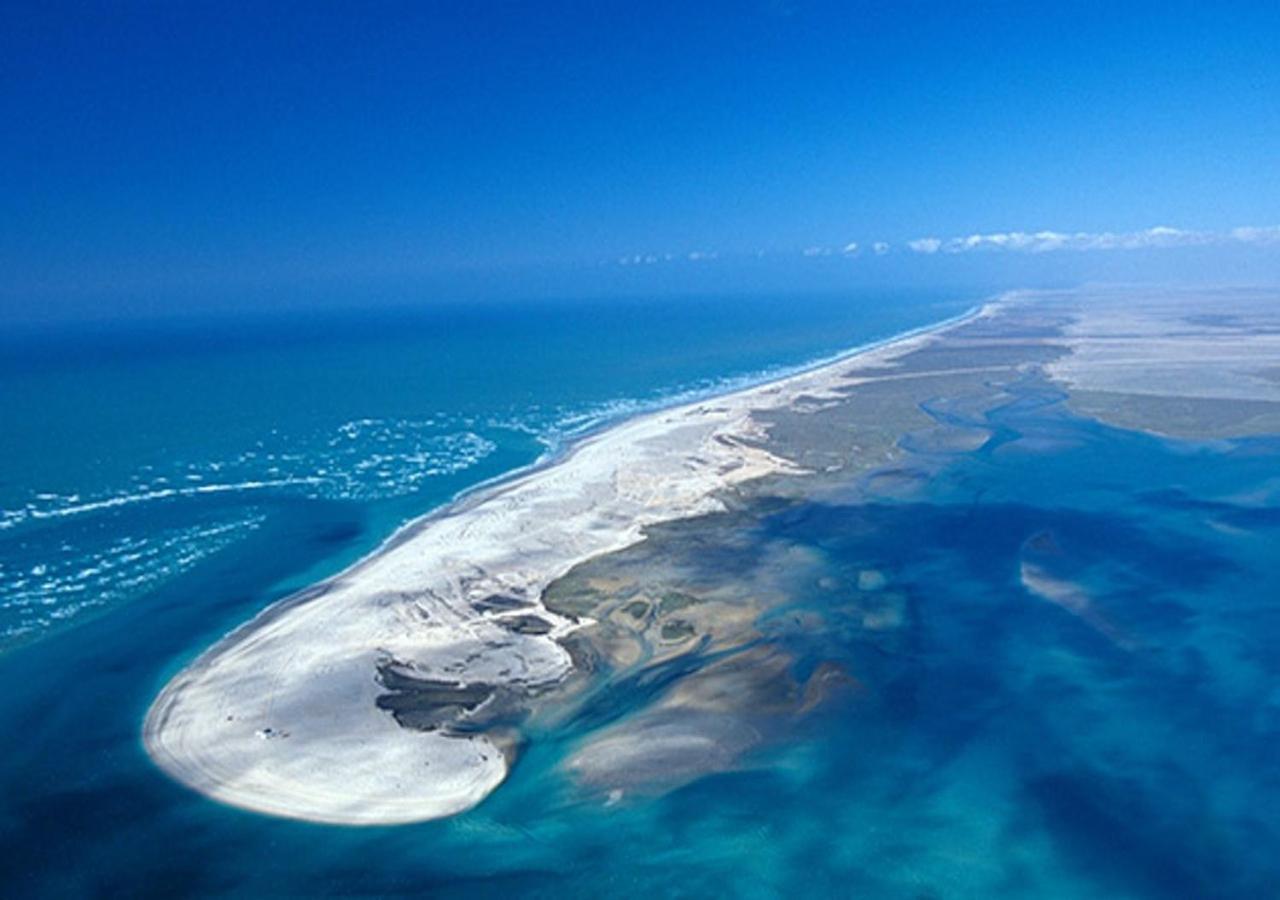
{"x":180,"y":156}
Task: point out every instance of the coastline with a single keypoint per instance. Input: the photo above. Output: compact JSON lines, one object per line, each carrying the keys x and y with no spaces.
{"x":282,"y":715}
{"x":479,"y":491}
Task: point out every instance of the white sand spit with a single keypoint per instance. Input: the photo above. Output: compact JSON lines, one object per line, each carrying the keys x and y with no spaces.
{"x":280,"y":716}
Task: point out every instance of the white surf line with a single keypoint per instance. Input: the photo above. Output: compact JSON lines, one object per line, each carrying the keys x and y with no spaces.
{"x":281,"y":717}
{"x":146,"y":497}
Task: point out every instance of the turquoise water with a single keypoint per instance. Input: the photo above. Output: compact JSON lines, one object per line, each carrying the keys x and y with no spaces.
{"x":162,"y":482}
{"x":133,"y":454}
{"x":997,"y":745}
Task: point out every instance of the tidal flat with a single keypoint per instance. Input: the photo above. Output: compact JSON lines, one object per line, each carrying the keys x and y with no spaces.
{"x":970,"y":613}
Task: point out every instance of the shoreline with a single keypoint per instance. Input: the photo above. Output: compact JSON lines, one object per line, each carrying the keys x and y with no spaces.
{"x":282,"y":714}
{"x":478,"y":492}
{"x":459,"y":500}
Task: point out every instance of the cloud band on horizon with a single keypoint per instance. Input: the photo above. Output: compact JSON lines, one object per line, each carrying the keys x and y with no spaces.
{"x":1161,"y":236}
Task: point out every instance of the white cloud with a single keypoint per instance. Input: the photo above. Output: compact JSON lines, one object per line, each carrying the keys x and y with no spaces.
{"x":1253,"y":235}
{"x":1157,"y":237}
{"x":925,"y":245}
{"x":1161,"y":236}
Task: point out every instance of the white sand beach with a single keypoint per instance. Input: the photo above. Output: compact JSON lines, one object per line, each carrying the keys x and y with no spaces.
{"x":281,"y":715}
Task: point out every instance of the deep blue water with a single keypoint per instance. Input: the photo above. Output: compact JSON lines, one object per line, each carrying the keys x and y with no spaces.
{"x":998,"y":745}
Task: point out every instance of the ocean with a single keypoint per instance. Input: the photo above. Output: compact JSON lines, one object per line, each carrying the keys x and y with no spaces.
{"x":163,"y":484}
{"x":164,"y":480}
{"x":133,"y":453}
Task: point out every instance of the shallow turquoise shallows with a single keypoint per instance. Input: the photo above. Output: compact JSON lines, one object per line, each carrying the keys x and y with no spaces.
{"x":161,"y":485}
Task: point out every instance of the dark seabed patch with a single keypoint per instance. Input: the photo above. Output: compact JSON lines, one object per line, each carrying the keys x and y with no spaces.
{"x":1102,"y":727}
